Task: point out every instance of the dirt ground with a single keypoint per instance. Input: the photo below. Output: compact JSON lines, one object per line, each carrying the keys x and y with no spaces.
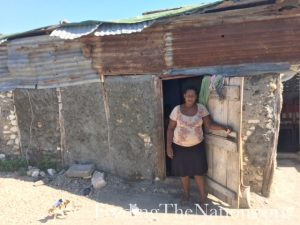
{"x":157,"y":202}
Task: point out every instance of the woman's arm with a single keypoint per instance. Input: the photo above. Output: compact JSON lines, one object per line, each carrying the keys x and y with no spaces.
{"x":170,"y":134}
{"x":210,"y":124}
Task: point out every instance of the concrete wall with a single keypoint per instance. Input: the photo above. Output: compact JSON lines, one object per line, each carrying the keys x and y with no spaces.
{"x":261,"y":117}
{"x":113,"y":125}
{"x":9,"y":131}
{"x":85,"y":126}
{"x":134,"y":121}
{"x":37,"y":112}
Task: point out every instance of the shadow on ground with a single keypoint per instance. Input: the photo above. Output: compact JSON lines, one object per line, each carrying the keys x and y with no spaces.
{"x":132,"y":196}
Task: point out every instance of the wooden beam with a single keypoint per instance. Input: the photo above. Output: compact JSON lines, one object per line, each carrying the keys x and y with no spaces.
{"x":243,"y":70}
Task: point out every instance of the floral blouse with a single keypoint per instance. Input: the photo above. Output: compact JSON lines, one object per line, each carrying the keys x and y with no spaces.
{"x":188,"y":131}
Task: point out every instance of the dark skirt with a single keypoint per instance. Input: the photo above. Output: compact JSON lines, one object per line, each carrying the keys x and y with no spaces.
{"x":189,"y":161}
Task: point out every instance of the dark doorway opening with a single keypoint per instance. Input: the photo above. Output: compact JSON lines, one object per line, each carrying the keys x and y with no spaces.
{"x":288,"y":140}
{"x":172,"y":96}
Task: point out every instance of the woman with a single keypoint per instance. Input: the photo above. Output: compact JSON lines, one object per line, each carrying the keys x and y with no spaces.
{"x":185,"y":145}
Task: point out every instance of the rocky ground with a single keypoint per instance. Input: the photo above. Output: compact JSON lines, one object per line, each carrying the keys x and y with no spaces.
{"x":24,"y":201}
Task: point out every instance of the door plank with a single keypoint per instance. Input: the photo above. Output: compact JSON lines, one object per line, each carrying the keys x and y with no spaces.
{"x":234,"y":121}
{"x":221,"y":142}
{"x":219,"y":164}
{"x":220,"y":188}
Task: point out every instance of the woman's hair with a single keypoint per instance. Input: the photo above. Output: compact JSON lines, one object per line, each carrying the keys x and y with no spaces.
{"x":190,"y":88}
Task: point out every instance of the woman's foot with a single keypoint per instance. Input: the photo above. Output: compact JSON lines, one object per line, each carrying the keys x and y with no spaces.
{"x":185,"y":200}
{"x":203,"y":202}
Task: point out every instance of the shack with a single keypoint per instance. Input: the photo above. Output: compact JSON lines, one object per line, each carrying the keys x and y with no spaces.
{"x":101,"y":92}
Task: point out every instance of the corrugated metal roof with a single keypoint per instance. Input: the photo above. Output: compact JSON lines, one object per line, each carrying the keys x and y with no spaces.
{"x":72,"y":32}
{"x":168,"y":13}
{"x":123,"y":26}
{"x":3,"y":40}
{"x":115,"y":29}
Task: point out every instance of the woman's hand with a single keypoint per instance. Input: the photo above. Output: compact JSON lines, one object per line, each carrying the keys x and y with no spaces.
{"x":210,"y":124}
{"x":170,"y":152}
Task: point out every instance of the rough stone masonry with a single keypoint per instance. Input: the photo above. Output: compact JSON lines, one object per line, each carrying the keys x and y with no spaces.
{"x":261,"y":117}
{"x":9,"y":131}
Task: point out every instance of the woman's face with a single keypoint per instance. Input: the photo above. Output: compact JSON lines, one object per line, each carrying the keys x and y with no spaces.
{"x":190,"y":97}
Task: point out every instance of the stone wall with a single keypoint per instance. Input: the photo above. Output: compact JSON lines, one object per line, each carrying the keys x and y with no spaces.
{"x":9,"y":131}
{"x":261,"y":117}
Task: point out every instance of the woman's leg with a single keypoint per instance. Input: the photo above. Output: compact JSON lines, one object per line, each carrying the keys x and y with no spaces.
{"x":200,"y":181}
{"x":186,"y":186}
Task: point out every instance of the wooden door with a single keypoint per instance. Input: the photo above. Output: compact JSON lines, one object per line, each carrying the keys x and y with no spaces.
{"x":224,"y":152}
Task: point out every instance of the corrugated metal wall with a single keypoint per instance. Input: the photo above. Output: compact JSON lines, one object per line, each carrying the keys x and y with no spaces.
{"x":45,"y":62}
{"x":265,"y":34}
{"x":5,"y":84}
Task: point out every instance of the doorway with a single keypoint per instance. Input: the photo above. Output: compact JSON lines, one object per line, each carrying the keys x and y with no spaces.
{"x":288,"y":141}
{"x":173,"y":95}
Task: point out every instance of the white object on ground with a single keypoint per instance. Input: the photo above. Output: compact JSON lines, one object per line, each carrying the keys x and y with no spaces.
{"x":98,"y":180}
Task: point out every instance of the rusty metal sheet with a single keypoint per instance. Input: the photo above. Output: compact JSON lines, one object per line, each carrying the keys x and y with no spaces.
{"x":273,"y":40}
{"x":138,"y":53}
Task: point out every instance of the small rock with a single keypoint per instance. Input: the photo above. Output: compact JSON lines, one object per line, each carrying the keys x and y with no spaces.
{"x":11,"y":117}
{"x":41,"y":182}
{"x":2,"y":157}
{"x":35,"y":173}
{"x":51,"y":172}
{"x":14,"y":129}
{"x":156,"y":179}
{"x":16,"y":147}
{"x":42,"y":173}
{"x":38,"y":183}
{"x":98,"y":180}
{"x":10,"y":142}
{"x":80,"y":170}
{"x":14,"y":122}
{"x":259,"y":178}
{"x":17,"y":141}
{"x":253,"y":121}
